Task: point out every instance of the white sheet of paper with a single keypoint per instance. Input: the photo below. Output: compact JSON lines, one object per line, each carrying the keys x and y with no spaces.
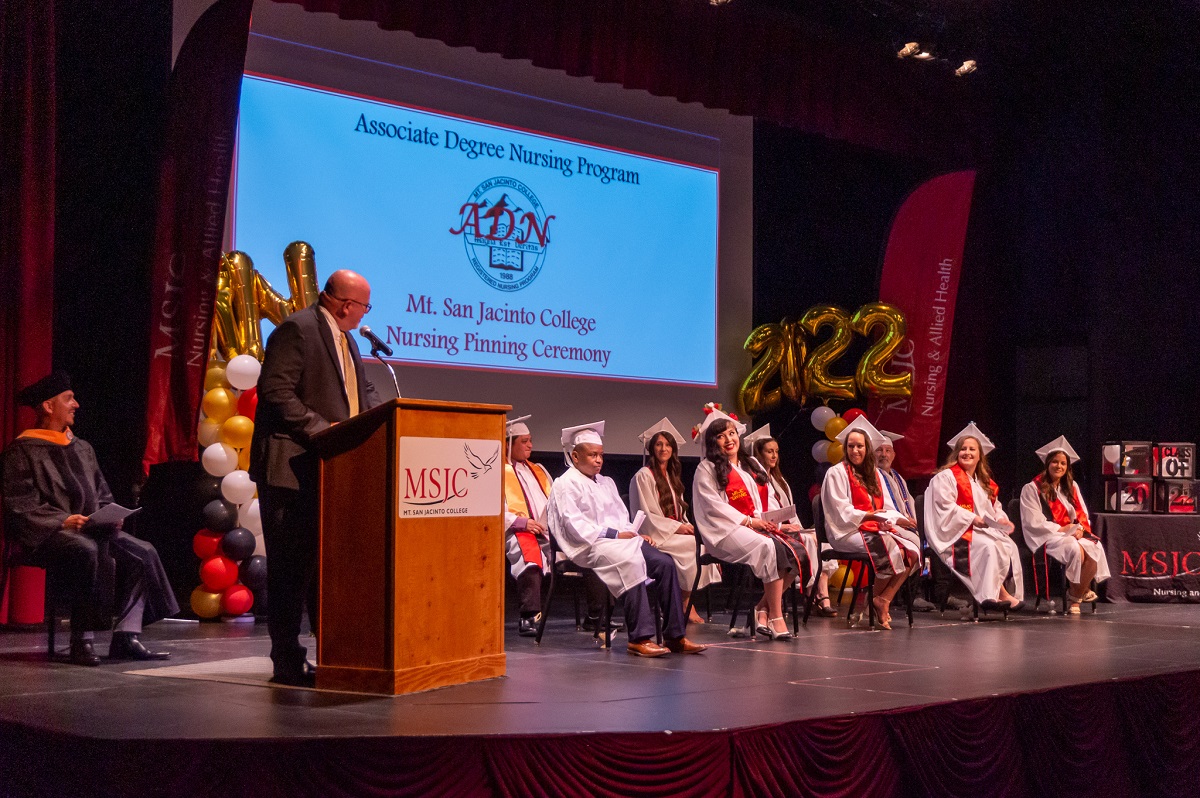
{"x":111,"y":514}
{"x":638,"y":520}
{"x":781,"y":516}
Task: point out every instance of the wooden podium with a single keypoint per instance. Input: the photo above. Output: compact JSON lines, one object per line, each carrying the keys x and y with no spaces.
{"x":412,"y":547}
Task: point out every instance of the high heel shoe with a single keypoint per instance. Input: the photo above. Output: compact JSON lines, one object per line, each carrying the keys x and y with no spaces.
{"x":762,"y":624}
{"x":824,"y":608}
{"x":771,"y":633}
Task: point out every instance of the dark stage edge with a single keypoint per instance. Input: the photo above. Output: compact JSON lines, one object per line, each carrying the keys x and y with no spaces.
{"x":946,"y":708}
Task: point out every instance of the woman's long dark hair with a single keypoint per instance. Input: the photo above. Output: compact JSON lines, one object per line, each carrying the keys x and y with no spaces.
{"x":1066,"y":484}
{"x":672,"y":480}
{"x":983,"y":473}
{"x":865,"y":471}
{"x":716,"y":456}
{"x":775,"y":474}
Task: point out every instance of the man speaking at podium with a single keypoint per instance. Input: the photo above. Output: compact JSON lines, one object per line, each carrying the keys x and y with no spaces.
{"x":312,"y":377}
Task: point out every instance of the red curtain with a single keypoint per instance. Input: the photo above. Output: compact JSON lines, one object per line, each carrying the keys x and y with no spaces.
{"x":27,"y":130}
{"x":741,"y":57}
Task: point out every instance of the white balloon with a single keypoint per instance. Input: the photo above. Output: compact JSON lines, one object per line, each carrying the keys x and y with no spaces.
{"x":249,"y":516}
{"x":219,"y":459}
{"x":237,"y":487}
{"x":821,"y":416}
{"x":1111,"y":452}
{"x":819,"y":451}
{"x":259,"y":546}
{"x":242,"y":372}
{"x":208,"y":432}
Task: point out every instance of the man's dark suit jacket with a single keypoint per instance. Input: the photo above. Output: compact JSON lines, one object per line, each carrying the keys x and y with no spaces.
{"x":299,"y":394}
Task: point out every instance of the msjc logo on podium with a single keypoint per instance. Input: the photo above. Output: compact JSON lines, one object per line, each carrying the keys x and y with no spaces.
{"x":506,"y":231}
{"x":449,"y":477}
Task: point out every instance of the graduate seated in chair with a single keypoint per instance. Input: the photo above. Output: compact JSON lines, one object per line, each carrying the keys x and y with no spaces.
{"x":52,"y":484}
{"x":592,"y":527}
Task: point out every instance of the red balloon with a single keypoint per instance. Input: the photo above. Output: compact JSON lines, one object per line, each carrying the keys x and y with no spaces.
{"x":218,"y":573}
{"x":236,"y":600}
{"x":248,"y":402}
{"x":813,"y":491}
{"x":852,"y":414}
{"x":206,"y":543}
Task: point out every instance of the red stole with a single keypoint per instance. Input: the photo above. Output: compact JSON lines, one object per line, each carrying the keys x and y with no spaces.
{"x":739,"y":498}
{"x":966,"y":497}
{"x":1058,"y":510}
{"x":862,"y":499}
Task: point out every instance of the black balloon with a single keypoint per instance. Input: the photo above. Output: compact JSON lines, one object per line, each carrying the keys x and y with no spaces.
{"x":220,"y":515}
{"x":253,"y":573}
{"x":238,"y":544}
{"x":208,"y":487}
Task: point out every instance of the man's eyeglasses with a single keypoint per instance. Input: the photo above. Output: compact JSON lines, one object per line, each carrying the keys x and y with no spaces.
{"x":366,"y":305}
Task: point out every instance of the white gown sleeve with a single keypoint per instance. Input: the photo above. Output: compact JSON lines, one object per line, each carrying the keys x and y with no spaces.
{"x":714,"y":515}
{"x":945,"y":521}
{"x":657,"y":526}
{"x":1036,"y":528}
{"x":571,"y":525}
{"x":842,"y":519}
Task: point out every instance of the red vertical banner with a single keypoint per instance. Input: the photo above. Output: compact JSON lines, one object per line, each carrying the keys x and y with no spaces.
{"x":193,"y":190}
{"x":921,"y":268}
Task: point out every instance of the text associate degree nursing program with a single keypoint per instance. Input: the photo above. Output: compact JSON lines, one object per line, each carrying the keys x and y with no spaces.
{"x":502,"y":314}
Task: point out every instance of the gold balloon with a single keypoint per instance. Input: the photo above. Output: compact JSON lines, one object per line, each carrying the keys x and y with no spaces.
{"x":769,"y":341}
{"x":791,"y":370}
{"x":872,"y":375}
{"x":237,"y":431}
{"x":208,"y":432}
{"x":245,"y":298}
{"x":818,"y":381}
{"x":834,"y":453}
{"x":219,"y":404}
{"x":833,"y":427}
{"x":205,"y":603}
{"x":215,"y":376}
{"x":244,"y":461}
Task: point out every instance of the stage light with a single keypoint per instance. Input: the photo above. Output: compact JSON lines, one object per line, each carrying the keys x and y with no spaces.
{"x":908,"y":50}
{"x":718,"y":2}
{"x":924,"y":55}
{"x":967,"y":67}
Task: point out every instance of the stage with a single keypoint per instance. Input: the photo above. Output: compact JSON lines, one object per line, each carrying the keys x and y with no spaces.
{"x":948,"y":707}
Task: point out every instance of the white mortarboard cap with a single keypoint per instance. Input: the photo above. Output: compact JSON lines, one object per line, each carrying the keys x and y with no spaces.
{"x":1059,"y":444}
{"x":972,"y":431}
{"x":584,"y":433}
{"x":875,"y":438}
{"x":517,"y":426}
{"x":711,"y":416}
{"x":762,"y":433}
{"x":891,"y":436}
{"x":666,"y":426}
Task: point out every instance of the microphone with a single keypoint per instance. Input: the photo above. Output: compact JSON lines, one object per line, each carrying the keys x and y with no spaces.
{"x":377,"y":345}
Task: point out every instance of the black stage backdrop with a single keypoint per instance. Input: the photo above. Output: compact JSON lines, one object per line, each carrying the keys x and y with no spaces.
{"x":1076,"y":311}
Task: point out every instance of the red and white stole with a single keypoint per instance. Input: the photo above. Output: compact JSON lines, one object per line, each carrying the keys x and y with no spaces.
{"x":739,"y":497}
{"x":862,"y":499}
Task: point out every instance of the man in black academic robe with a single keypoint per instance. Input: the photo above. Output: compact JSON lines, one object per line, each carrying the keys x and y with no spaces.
{"x":52,"y":483}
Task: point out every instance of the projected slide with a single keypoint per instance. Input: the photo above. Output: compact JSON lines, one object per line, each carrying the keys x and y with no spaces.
{"x":486,"y":246}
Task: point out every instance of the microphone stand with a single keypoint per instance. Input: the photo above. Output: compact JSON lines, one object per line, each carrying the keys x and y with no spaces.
{"x":388,"y":366}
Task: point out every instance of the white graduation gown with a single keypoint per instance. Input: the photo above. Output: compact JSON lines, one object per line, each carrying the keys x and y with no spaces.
{"x":843,"y":519}
{"x":721,"y":525}
{"x":1042,"y":531}
{"x":805,"y":537}
{"x":992,"y":553}
{"x":643,"y":495}
{"x":537,"y":511}
{"x":580,"y":511}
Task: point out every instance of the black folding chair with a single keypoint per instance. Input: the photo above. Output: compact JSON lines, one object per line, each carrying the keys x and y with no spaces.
{"x":866,"y":571}
{"x":1044,"y":569}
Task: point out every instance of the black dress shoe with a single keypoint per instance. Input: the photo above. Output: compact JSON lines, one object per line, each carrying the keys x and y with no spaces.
{"x":127,"y":646}
{"x":82,"y":653}
{"x":527,"y":627}
{"x":305,"y":677}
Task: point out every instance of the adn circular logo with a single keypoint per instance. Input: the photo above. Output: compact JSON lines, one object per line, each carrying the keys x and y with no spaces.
{"x":506,"y":231}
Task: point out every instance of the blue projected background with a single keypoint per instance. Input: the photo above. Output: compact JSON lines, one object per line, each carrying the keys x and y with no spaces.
{"x":486,"y":246}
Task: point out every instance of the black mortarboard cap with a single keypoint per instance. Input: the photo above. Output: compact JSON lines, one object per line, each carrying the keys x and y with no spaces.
{"x":47,"y":387}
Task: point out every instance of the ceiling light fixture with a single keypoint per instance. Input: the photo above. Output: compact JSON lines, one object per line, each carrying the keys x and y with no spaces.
{"x":967,"y":67}
{"x":908,"y":50}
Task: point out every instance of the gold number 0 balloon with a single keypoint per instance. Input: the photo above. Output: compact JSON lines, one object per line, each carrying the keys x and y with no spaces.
{"x":818,"y":380}
{"x":871,"y":374}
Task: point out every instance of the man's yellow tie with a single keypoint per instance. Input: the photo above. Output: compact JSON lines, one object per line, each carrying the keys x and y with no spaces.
{"x":351,"y":377}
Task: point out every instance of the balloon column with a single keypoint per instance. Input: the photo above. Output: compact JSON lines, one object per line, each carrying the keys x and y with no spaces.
{"x":232,"y":564}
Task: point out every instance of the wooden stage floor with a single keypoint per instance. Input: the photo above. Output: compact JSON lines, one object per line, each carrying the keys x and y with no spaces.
{"x":569,"y":685}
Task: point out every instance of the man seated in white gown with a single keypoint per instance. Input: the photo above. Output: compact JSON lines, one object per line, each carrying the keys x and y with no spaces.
{"x":592,"y":527}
